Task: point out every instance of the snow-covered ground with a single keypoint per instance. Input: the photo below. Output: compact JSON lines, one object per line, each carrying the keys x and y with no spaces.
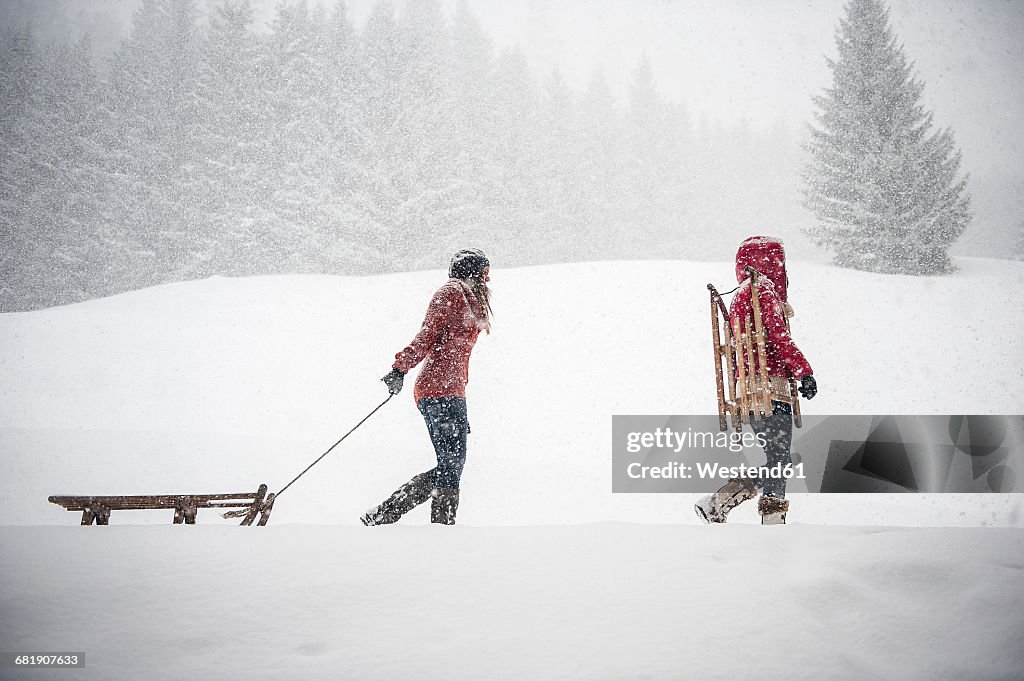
{"x":603,"y":601}
{"x":221,"y":384}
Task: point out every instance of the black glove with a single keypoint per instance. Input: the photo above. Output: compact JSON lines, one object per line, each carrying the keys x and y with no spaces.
{"x":808,"y":387}
{"x":394,"y":381}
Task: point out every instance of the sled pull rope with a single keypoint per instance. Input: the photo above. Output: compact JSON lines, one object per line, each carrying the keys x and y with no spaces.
{"x":712,"y":288}
{"x":331,"y":448}
{"x":269,"y":501}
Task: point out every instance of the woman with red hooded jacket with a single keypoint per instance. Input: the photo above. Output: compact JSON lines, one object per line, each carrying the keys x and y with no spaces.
{"x":766,"y":255}
{"x":457,"y":313}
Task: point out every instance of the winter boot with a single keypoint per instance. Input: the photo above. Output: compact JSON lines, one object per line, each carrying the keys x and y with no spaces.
{"x":715,"y":507}
{"x":443,"y":504}
{"x":404,"y":499}
{"x":773,"y":510}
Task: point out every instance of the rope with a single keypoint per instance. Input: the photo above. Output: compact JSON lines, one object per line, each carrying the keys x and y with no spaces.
{"x":750,"y":270}
{"x":241,"y":512}
{"x":331,"y":448}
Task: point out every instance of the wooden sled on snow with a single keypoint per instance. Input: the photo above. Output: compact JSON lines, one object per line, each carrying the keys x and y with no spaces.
{"x":741,"y":364}
{"x":248,"y":504}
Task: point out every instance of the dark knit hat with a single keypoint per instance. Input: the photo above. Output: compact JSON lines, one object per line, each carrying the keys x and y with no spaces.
{"x":469,"y":262}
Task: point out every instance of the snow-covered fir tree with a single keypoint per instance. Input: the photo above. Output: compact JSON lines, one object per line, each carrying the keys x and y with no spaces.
{"x":51,"y":211}
{"x":886,"y":189}
{"x":1018,"y":245}
{"x":230,"y":107}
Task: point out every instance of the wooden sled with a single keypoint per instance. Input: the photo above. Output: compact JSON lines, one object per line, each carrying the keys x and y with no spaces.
{"x":741,"y":363}
{"x":97,"y":509}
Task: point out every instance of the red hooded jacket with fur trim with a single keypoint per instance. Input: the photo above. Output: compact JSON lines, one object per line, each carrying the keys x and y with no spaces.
{"x":766,"y":255}
{"x":453,"y":321}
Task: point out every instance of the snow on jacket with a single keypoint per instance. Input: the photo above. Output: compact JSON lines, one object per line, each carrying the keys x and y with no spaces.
{"x":766,"y":255}
{"x":446,"y":339}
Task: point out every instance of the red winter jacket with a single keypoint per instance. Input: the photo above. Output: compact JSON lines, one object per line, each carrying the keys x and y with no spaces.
{"x":766,"y":255}
{"x":453,"y":321}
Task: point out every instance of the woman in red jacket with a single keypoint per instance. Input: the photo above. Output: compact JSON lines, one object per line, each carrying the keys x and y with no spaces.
{"x":766,"y":255}
{"x":457,"y":313}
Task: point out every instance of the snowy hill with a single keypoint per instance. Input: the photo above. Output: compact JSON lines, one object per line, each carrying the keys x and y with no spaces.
{"x":222,"y":384}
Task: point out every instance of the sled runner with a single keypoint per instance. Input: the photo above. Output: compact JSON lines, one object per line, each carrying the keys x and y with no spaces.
{"x":97,"y":509}
{"x":741,"y":364}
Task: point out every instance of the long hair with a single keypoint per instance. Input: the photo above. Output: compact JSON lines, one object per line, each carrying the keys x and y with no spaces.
{"x":483,"y":296}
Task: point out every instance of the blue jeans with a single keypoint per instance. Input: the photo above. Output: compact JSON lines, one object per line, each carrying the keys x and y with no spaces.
{"x":778,"y":432}
{"x":448,"y":426}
